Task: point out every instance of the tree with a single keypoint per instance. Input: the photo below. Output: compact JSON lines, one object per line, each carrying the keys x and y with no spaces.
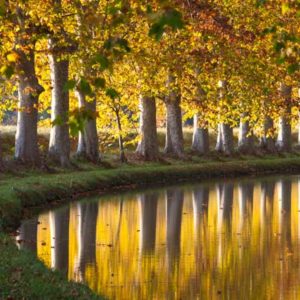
{"x":174,"y":133}
{"x":225,"y":131}
{"x":59,"y":45}
{"x":148,"y":144}
{"x":21,"y":60}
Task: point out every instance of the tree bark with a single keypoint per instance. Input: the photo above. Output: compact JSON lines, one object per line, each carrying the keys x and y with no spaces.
{"x":148,"y":144}
{"x":225,"y":132}
{"x":227,"y":139}
{"x":88,"y":145}
{"x":123,"y":158}
{"x":267,"y":142}
{"x":200,"y":142}
{"x":298,"y":135}
{"x":59,"y":145}
{"x":26,"y":142}
{"x":284,"y":140}
{"x":219,"y":143}
{"x":174,"y":134}
{"x":299,"y":121}
{"x":1,"y":154}
{"x":246,"y":138}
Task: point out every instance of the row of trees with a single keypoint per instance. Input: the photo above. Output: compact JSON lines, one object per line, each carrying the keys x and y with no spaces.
{"x":96,"y":64}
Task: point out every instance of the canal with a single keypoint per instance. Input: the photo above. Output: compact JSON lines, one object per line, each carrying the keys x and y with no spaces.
{"x":224,"y":239}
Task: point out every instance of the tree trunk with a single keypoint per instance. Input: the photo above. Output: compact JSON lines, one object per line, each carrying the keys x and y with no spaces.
{"x":219,"y":143}
{"x":227,"y":139}
{"x":284,"y":140}
{"x":26,"y":142}
{"x":1,"y":154}
{"x":246,"y":138}
{"x":148,"y":144}
{"x":200,"y":142}
{"x":59,"y":145}
{"x":123,"y":158}
{"x":174,"y":134}
{"x":298,"y":135}
{"x":299,"y":122}
{"x":225,"y":132}
{"x":88,"y":145}
{"x":267,"y":142}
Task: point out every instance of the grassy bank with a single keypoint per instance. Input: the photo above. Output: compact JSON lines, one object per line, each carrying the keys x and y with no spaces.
{"x":20,"y":197}
{"x":22,"y":276}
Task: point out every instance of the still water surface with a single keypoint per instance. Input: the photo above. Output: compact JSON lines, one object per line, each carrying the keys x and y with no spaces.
{"x":236,"y":239}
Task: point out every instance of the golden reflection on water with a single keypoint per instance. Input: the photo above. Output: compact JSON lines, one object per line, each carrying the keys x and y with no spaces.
{"x":227,"y":240}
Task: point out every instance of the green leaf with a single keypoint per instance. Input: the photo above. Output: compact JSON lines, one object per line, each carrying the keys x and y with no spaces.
{"x":170,"y":18}
{"x":260,"y":3}
{"x":78,"y":118}
{"x":111,"y":43}
{"x":173,"y":18}
{"x":75,"y":128}
{"x":291,"y":69}
{"x":112,"y":10}
{"x":103,"y":61}
{"x":2,"y":7}
{"x":7,"y":71}
{"x":108,"y":44}
{"x":268,"y":30}
{"x":69,"y":85}
{"x":266,"y":91}
{"x":58,"y":121}
{"x":99,"y":83}
{"x":112,"y":93}
{"x":118,"y":21}
{"x":157,"y":31}
{"x":280,"y":60}
{"x":85,"y":87}
{"x":122,"y":43}
{"x":278,"y":46}
{"x":149,"y":9}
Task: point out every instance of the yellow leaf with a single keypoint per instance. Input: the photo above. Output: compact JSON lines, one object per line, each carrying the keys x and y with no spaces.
{"x":285,"y":8}
{"x":12,"y":57}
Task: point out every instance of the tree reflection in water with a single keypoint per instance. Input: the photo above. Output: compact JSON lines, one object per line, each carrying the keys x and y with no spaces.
{"x":229,"y":239}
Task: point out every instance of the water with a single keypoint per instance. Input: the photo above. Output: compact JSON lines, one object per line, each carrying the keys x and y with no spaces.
{"x":236,"y":239}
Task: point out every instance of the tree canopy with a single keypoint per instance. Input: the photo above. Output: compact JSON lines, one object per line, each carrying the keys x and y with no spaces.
{"x":120,"y":50}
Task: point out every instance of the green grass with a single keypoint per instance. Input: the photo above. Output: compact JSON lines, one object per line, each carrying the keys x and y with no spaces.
{"x":19,"y":197}
{"x":23,"y":193}
{"x":22,"y":276}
